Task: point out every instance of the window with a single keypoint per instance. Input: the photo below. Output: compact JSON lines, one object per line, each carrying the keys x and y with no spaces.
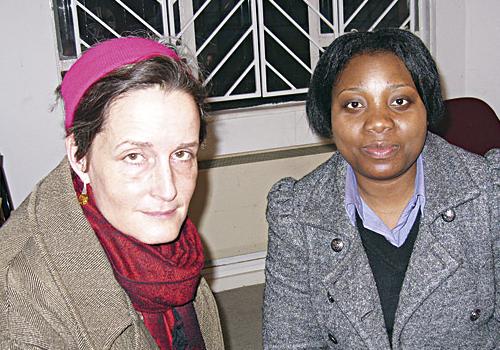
{"x":250,"y":51}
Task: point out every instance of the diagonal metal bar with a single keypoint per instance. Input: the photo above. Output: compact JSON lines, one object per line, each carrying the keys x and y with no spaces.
{"x":139,"y":18}
{"x":285,"y":80}
{"x":383,"y":15}
{"x":315,"y":10}
{"x":219,"y":27}
{"x":84,"y":43}
{"x":226,"y":57}
{"x":295,"y":24}
{"x":355,"y":13}
{"x":406,"y":21}
{"x":91,"y":14}
{"x":192,"y":19}
{"x":238,"y":81}
{"x":290,"y":52}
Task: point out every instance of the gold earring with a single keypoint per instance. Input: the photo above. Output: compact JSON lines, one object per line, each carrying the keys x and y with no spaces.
{"x":83,"y":198}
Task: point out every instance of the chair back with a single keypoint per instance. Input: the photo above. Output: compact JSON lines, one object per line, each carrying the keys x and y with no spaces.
{"x":471,"y":124}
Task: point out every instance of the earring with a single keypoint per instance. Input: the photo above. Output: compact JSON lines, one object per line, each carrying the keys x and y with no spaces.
{"x":83,"y":198}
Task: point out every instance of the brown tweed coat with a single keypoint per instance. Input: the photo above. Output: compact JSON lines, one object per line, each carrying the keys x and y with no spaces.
{"x":57,"y":289}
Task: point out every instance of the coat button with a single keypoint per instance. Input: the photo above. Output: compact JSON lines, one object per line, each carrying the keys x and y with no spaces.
{"x":332,"y":338}
{"x":474,"y":315}
{"x":337,"y":245}
{"x":330,"y":297}
{"x":449,"y":215}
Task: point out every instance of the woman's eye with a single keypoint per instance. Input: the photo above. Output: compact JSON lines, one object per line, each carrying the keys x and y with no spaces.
{"x":183,"y":155}
{"x":400,"y":102}
{"x":354,"y":105}
{"x":134,"y":158}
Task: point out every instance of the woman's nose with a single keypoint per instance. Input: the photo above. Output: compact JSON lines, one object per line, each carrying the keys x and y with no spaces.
{"x":379,"y":120}
{"x":163,"y":185}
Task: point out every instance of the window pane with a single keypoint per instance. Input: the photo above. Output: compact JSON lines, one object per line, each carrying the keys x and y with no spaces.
{"x":118,"y":19}
{"x":239,"y":21}
{"x":65,"y":32}
{"x":290,"y":36}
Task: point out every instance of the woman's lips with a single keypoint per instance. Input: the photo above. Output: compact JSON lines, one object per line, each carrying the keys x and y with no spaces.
{"x":380,"y":150}
{"x":160,"y":214}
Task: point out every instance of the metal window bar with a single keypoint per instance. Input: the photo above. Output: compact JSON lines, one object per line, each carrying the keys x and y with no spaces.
{"x":354,"y":14}
{"x":381,"y":17}
{"x":410,"y":20}
{"x":139,"y":18}
{"x":97,"y":19}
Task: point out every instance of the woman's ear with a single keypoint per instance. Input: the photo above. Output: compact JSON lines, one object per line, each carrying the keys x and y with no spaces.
{"x":78,"y":166}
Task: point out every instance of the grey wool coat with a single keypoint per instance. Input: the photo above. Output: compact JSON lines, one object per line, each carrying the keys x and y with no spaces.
{"x":57,"y":288}
{"x":318,"y":298}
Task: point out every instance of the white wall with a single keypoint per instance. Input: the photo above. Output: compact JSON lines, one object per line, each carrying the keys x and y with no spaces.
{"x":31,"y":137}
{"x":448,"y":44}
{"x":466,"y":46}
{"x":482,"y":54}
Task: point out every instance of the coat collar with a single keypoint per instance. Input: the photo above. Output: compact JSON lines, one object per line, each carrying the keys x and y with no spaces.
{"x":448,"y":184}
{"x":78,"y":264}
{"x":347,"y":275}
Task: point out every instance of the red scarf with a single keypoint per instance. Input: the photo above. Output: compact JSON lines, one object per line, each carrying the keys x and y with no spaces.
{"x":161,"y":280}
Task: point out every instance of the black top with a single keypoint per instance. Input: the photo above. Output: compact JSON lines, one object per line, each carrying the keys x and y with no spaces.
{"x":388,"y":264}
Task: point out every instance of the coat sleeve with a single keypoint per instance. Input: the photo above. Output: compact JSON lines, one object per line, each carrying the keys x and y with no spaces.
{"x":288,"y":318}
{"x":493,"y":158}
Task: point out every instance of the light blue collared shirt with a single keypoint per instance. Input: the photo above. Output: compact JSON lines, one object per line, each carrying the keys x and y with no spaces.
{"x":397,"y":236}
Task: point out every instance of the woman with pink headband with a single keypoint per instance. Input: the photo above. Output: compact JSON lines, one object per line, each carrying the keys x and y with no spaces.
{"x":102,"y":255}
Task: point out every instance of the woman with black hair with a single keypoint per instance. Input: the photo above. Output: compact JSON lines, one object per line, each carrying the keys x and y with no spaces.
{"x":394,"y":241}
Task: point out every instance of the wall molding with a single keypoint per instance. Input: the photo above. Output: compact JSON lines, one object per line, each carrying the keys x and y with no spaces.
{"x":235,"y":272}
{"x":254,"y":157}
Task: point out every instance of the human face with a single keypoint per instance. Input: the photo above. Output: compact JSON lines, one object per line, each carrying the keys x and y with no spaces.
{"x":142,"y":167}
{"x":379,"y":122}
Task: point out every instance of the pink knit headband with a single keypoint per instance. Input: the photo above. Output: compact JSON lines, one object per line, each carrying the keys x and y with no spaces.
{"x":102,"y":59}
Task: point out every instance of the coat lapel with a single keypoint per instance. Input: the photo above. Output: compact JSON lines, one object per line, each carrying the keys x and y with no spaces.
{"x":346,"y":275}
{"x":80,"y":267}
{"x":434,"y":256}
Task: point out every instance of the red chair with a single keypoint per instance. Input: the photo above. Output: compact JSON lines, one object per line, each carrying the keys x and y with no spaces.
{"x":471,"y":124}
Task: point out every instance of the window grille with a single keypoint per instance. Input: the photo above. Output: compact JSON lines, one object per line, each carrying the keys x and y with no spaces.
{"x":247,"y":49}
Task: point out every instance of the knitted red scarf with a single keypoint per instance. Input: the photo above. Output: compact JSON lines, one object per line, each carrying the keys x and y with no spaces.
{"x":161,"y":280}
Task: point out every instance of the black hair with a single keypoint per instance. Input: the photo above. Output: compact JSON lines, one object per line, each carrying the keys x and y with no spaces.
{"x":405,"y":45}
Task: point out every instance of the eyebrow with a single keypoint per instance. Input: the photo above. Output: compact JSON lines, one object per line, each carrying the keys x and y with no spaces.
{"x":150,"y":145}
{"x":189,"y":144}
{"x":135,"y":143}
{"x":359,"y":89}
